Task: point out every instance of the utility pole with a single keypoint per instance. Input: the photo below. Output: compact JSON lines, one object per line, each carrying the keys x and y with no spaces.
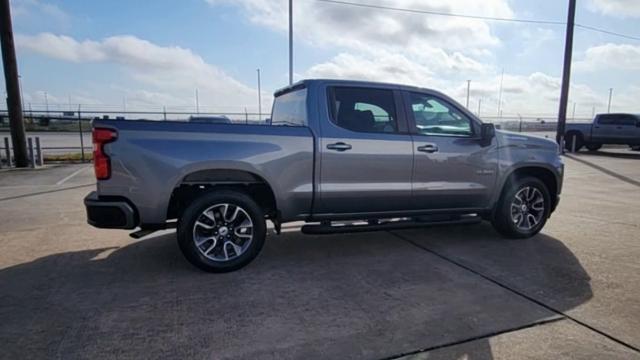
{"x":290,"y":42}
{"x":573,"y":116}
{"x":479,"y":104}
{"x":14,"y":104}
{"x":610,"y":96}
{"x":197,"y":103}
{"x":259,"y":97}
{"x":468,"y":91}
{"x":566,"y":73}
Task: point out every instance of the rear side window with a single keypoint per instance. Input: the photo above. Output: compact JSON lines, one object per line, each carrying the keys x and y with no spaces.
{"x":363,"y":109}
{"x":290,"y":109}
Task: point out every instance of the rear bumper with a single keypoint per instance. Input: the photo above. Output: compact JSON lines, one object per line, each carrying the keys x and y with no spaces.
{"x":109,"y":213}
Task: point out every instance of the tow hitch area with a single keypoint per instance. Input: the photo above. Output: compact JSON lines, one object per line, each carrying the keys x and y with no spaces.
{"x":389,"y":224}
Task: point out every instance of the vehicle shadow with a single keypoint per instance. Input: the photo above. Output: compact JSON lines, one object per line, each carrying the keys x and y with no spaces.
{"x":604,"y":170}
{"x":612,"y":154}
{"x":369,"y":295}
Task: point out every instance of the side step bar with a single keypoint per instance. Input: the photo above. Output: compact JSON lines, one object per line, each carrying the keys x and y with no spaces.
{"x":324,"y":229}
{"x":139,"y":234}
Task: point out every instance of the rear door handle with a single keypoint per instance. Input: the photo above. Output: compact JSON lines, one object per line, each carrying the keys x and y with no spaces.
{"x":428,"y":148}
{"x":340,"y":146}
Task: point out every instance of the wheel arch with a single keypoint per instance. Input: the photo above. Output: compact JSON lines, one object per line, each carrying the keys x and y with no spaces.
{"x":548,"y":176}
{"x":198,"y":182}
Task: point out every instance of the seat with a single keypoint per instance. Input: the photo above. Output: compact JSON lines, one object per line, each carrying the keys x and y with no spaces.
{"x":356,"y":120}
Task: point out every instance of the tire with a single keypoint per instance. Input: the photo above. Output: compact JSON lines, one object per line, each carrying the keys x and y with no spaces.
{"x":514,"y":226}
{"x":215,"y":236}
{"x":594,"y":146}
{"x":568,"y":141}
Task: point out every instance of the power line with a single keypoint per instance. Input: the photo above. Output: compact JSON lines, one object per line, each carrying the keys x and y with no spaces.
{"x":477,"y":17}
{"x":416,"y":11}
{"x":586,"y":27}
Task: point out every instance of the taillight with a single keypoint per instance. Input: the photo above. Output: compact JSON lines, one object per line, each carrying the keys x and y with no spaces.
{"x":101,"y":162}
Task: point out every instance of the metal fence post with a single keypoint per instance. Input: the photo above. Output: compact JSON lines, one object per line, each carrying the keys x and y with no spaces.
{"x":8,"y":150}
{"x":39,"y":155}
{"x":80,"y":131}
{"x":32,"y":159}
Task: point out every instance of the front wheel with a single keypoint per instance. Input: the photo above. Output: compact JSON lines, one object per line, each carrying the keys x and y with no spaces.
{"x":222,"y":231}
{"x":594,"y":146}
{"x":523,"y":208}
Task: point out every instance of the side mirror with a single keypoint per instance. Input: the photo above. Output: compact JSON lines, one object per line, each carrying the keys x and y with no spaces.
{"x":487,"y":133}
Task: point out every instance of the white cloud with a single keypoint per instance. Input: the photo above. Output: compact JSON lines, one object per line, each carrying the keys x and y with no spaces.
{"x":617,"y":8}
{"x":355,"y":27}
{"x":37,"y":12}
{"x":166,"y":73}
{"x":610,"y":56}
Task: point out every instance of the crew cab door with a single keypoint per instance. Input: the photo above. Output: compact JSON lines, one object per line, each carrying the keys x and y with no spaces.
{"x":627,"y":129}
{"x":366,"y":155}
{"x":452,"y":168}
{"x":605,"y":129}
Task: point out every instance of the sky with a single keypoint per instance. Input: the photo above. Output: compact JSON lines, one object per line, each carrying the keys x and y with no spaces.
{"x":143,"y":55}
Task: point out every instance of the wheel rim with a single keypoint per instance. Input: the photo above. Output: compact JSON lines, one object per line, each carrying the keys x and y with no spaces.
{"x":223,"y":232}
{"x":527,"y":208}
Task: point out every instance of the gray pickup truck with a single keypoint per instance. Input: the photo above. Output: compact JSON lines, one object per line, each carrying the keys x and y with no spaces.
{"x":620,"y":129}
{"x":374,"y":156}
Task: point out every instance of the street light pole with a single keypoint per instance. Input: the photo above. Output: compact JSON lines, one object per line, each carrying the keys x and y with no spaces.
{"x":610,"y":96}
{"x":500,"y":94}
{"x":46,"y":103}
{"x":468,"y":91}
{"x":259,"y":97}
{"x":290,"y":42}
{"x":197,"y":102}
{"x":14,"y":104}
{"x":566,"y":73}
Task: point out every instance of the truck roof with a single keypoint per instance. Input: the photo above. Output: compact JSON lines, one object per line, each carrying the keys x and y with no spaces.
{"x":343,"y":82}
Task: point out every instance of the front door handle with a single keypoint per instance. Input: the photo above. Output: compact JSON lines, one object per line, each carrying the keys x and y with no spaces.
{"x":340,"y":146}
{"x":428,"y":148}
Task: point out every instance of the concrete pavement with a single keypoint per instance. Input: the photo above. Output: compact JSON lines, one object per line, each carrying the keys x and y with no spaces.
{"x":71,"y":291}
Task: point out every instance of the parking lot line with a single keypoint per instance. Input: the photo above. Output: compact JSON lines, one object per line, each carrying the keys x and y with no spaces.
{"x":45,"y":192}
{"x":62,"y":181}
{"x":516,"y":292}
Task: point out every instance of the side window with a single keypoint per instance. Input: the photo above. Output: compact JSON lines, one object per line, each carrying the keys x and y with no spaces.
{"x":606,"y":120}
{"x":625,"y":120}
{"x":363,"y":110}
{"x":290,"y":109}
{"x":434,"y":116}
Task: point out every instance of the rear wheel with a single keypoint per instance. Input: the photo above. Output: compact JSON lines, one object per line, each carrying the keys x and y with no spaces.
{"x":571,"y":138}
{"x":523,"y":208}
{"x":222,"y":231}
{"x":594,"y":146}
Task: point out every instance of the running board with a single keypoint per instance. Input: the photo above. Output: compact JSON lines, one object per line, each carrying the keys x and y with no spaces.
{"x":321,"y":229}
{"x":148,"y":230}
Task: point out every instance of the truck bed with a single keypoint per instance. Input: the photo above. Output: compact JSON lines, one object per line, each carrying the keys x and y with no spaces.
{"x":150,"y":159}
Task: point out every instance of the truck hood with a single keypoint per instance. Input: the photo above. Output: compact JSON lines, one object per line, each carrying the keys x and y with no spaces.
{"x":513,"y":139}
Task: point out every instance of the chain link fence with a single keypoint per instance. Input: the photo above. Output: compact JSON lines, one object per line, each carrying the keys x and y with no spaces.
{"x":65,"y":136}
